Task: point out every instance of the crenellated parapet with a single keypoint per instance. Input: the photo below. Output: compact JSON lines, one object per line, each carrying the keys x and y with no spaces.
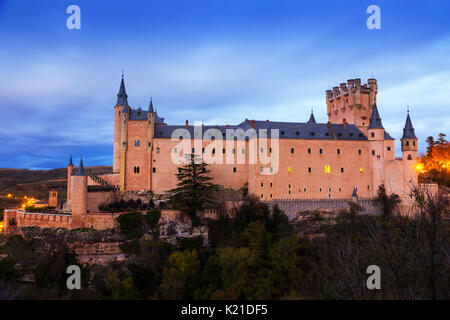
{"x":352,"y":102}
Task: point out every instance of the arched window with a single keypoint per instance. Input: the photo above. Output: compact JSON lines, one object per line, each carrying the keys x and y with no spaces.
{"x":409,"y":157}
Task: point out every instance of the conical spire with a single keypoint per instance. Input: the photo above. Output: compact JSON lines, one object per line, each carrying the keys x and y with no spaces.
{"x":81,"y":168}
{"x":150,"y":107}
{"x":354,"y":194}
{"x":375,"y":119}
{"x":122,"y":97}
{"x":70,"y":161}
{"x":408,"y":130}
{"x":311,"y":118}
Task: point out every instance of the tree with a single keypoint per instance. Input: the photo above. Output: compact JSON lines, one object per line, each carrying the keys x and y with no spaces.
{"x":387,"y":203}
{"x":194,"y":191}
{"x":130,"y":225}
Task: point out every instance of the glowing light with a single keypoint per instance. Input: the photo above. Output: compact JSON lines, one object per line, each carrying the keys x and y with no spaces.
{"x":361,"y":170}
{"x":327,"y":169}
{"x":9,"y":195}
{"x":419,"y":167}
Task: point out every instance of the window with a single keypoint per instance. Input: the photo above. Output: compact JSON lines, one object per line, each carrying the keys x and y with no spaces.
{"x":342,"y":170}
{"x":388,"y":148}
{"x":193,"y":150}
{"x":338,"y":151}
{"x":339,"y":189}
{"x":373,"y":152}
{"x":329,"y":189}
{"x":409,"y":157}
{"x":262,"y":196}
{"x":282,"y":132}
{"x":262,"y":184}
{"x":292,"y":150}
{"x":309,"y":150}
{"x":289,"y":192}
{"x":321,"y":151}
{"x":243,"y":151}
{"x":361,"y":170}
{"x":136,"y":169}
{"x":304,"y":189}
{"x":414,"y":143}
{"x":289,"y":169}
{"x":137,"y":143}
{"x":378,"y":157}
{"x":372,"y":134}
{"x":234,"y":169}
{"x":270,"y":195}
{"x":320,"y":189}
{"x":261,"y":169}
{"x":359,"y":151}
{"x":271,"y":184}
{"x":157,"y":150}
{"x":327,"y":169}
{"x":232,"y":151}
{"x":214,"y":150}
{"x":289,"y":185}
{"x":262,"y":150}
{"x":203,"y":150}
{"x":223,"y":150}
{"x":154,"y":169}
{"x":270,"y":150}
{"x":309,"y":169}
{"x":271,"y":169}
{"x":407,"y":143}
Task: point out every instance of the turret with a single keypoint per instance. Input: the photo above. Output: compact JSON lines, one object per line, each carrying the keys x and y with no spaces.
{"x":69,"y":180}
{"x":409,"y":141}
{"x":375,"y":135}
{"x":311,"y":118}
{"x":122,"y":101}
{"x":123,"y":144}
{"x":79,"y":197}
{"x":149,"y":147}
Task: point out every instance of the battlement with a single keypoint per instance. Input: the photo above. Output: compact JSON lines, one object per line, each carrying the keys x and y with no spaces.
{"x":352,"y":102}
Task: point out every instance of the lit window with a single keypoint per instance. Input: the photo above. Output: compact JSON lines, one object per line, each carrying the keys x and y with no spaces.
{"x":361,"y":170}
{"x":289,"y":169}
{"x":327,"y":169}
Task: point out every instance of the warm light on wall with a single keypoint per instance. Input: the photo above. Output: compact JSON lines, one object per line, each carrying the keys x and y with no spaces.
{"x":289,"y":169}
{"x":361,"y":170}
{"x":327,"y":169}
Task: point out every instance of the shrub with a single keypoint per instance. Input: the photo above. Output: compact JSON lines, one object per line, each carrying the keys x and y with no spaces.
{"x":130,"y":225}
{"x":152,"y":218}
{"x":130,"y":247}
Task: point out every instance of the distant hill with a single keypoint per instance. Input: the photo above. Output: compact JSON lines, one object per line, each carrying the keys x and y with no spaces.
{"x":36,"y":183}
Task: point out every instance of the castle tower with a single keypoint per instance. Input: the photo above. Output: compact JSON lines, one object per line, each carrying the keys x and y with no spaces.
{"x":409,"y":152}
{"x":124,"y":117}
{"x":149,"y":147}
{"x":79,"y":197}
{"x":352,"y":102}
{"x":122,"y":100}
{"x":375,"y":135}
{"x":69,"y":179}
{"x":53,"y":198}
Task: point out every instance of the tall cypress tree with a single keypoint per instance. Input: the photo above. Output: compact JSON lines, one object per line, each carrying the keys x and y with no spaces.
{"x":194,"y":191}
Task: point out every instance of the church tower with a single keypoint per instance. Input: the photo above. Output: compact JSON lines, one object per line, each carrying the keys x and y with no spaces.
{"x":122,"y":100}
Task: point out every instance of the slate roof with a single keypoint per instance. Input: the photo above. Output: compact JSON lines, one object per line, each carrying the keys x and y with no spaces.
{"x":408,"y":130}
{"x":311,"y":119}
{"x":139,"y":114}
{"x":375,"y":119}
{"x":81,"y":171}
{"x":287,"y":130}
{"x":122,"y":95}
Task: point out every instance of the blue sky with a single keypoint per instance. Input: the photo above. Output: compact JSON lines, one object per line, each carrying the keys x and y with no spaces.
{"x":215,"y":61}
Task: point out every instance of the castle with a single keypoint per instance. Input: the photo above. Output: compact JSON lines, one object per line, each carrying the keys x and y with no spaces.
{"x":347,"y":157}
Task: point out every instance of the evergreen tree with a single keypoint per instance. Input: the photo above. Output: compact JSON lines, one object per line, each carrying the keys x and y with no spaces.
{"x":194,"y":191}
